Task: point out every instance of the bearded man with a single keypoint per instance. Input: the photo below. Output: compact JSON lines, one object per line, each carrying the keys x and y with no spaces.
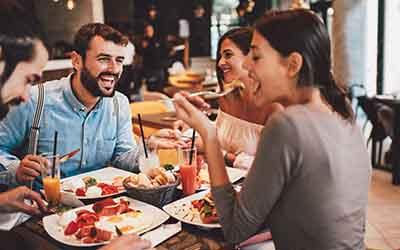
{"x":84,"y":108}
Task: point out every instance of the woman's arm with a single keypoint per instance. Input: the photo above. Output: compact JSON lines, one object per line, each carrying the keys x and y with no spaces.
{"x":208,"y":132}
{"x":241,"y":216}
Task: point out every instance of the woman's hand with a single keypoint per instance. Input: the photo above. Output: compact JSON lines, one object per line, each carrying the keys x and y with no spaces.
{"x":229,"y":159}
{"x":194,"y":116}
{"x":14,"y":201}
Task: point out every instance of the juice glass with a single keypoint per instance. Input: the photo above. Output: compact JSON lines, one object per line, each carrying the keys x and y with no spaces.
{"x":188,"y":170}
{"x":51,"y":178}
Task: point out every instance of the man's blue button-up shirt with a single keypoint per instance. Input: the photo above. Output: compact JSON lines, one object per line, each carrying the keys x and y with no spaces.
{"x":102,"y":138}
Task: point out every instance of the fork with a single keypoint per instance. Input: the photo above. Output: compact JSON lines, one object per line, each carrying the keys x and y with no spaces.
{"x":208,"y":95}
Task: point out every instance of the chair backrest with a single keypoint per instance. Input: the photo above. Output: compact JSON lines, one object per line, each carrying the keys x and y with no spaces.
{"x":371,"y":107}
{"x":148,"y":107}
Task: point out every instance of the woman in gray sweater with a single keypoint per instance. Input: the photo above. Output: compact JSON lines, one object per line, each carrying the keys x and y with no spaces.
{"x":309,"y":180}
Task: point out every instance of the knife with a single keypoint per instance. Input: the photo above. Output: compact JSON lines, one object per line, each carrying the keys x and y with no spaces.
{"x":119,"y":233}
{"x":162,"y":233}
{"x":67,"y":156}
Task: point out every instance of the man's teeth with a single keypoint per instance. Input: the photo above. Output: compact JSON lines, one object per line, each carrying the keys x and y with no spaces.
{"x":107,"y":78}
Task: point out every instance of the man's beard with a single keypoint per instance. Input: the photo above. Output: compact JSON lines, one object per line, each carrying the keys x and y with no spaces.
{"x":91,"y":83}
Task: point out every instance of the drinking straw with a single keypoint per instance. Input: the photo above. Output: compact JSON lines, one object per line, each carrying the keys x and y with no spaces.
{"x":142,"y":133}
{"x":192,"y":147}
{"x":54,"y":155}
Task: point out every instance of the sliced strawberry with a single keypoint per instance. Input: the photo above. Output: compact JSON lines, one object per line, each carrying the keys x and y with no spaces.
{"x":198,"y":204}
{"x":84,"y":232}
{"x":80,"y":192}
{"x":109,"y":190}
{"x":71,"y":228}
{"x":123,"y":206}
{"x":103,"y":235}
{"x":89,"y":240}
{"x":82,"y":211}
{"x":87,"y":219}
{"x":98,"y":206}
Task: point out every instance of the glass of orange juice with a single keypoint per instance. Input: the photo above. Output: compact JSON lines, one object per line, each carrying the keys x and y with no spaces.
{"x":188,"y":170}
{"x":51,"y":178}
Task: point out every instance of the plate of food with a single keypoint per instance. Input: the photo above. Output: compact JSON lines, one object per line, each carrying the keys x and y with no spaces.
{"x":96,"y":184}
{"x":197,"y":209}
{"x":98,"y":223}
{"x":203,"y":178}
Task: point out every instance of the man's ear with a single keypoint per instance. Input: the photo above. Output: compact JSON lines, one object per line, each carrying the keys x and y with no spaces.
{"x":2,"y":63}
{"x":294,"y":62}
{"x":77,"y":61}
{"x":2,"y":66}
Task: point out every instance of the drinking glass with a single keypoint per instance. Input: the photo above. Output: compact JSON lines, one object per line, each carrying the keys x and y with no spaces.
{"x":188,"y":170}
{"x":51,"y":178}
{"x":149,"y":162}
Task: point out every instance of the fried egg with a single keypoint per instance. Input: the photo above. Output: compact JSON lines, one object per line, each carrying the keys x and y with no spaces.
{"x":131,"y":222}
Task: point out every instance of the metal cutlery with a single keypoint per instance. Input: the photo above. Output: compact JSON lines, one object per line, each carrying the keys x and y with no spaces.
{"x":208,"y":95}
{"x":67,"y":156}
{"x":119,"y":233}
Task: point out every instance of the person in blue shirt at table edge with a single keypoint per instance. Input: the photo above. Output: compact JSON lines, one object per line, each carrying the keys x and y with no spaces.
{"x":22,"y":59}
{"x":83,"y":107}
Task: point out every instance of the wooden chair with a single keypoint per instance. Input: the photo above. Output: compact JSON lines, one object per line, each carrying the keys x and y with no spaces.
{"x":378,"y":133}
{"x":148,"y":107}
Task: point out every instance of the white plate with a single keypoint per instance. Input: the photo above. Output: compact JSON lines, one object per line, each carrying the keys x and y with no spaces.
{"x":102,"y":175}
{"x":234,"y":175}
{"x":182,"y":210}
{"x":151,"y":216}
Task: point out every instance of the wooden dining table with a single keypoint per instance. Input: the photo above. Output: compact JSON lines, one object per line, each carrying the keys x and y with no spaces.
{"x":32,"y":235}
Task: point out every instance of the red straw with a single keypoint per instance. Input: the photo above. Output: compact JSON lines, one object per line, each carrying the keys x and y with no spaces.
{"x":142,"y":133}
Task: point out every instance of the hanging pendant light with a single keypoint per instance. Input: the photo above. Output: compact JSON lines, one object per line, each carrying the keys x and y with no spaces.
{"x":299,"y":4}
{"x":70,"y":4}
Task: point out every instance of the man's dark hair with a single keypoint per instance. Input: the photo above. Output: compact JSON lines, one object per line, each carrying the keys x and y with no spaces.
{"x":89,"y":31}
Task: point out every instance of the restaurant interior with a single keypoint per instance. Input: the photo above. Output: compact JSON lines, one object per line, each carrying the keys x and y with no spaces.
{"x":174,"y":46}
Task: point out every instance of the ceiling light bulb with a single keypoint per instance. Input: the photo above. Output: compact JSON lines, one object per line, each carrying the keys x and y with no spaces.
{"x":70,"y":4}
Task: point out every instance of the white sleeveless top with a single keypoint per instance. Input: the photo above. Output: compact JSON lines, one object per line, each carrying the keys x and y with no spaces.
{"x":239,"y":137}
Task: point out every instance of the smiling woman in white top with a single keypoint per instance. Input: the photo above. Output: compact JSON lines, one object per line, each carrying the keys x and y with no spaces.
{"x":239,"y":122}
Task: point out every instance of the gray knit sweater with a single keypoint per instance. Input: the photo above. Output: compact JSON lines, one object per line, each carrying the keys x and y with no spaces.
{"x":308,"y":183}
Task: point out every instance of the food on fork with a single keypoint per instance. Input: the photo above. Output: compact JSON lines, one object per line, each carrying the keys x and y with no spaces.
{"x":234,"y":84}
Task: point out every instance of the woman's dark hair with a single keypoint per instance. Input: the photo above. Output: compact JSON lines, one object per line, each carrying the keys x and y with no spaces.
{"x":13,"y":51}
{"x":18,"y":37}
{"x":241,"y":37}
{"x":303,"y":32}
